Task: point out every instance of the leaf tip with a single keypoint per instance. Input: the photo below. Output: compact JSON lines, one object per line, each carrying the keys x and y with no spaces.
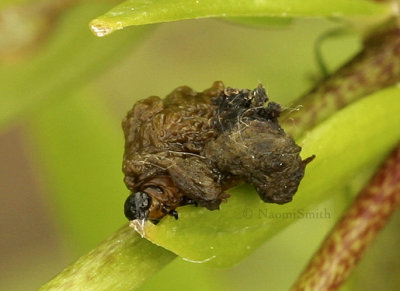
{"x":100,"y":29}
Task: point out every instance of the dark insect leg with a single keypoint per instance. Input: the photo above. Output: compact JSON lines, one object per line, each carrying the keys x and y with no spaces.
{"x":174,"y":213}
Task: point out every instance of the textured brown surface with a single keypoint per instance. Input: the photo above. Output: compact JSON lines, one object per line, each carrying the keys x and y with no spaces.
{"x":190,"y":147}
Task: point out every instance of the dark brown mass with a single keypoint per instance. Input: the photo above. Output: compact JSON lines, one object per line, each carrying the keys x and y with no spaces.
{"x":190,"y":147}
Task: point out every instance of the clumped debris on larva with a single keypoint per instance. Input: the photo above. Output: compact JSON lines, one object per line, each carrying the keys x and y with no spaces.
{"x":192,"y":146}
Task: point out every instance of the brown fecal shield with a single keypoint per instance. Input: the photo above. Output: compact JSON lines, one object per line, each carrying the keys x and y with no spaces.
{"x":191,"y":147}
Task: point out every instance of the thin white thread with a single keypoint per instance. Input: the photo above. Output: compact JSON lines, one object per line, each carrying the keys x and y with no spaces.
{"x":200,"y":262}
{"x":187,"y":153}
{"x":139,"y":226}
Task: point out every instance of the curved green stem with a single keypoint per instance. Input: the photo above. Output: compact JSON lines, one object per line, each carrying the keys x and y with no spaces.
{"x":122,"y":262}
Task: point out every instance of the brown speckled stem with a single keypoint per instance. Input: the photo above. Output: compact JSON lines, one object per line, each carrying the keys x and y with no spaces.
{"x":375,"y":67}
{"x":347,"y":242}
{"x":122,"y":262}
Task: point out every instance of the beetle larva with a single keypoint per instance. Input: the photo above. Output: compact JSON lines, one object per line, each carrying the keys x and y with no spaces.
{"x":192,"y":146}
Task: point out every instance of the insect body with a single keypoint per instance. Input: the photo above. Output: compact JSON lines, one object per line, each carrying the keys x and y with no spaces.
{"x":191,"y":147}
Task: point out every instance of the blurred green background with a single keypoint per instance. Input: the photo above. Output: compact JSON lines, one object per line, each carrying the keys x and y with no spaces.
{"x":62,"y":98}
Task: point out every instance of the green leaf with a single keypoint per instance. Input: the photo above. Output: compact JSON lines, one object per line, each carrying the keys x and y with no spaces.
{"x":139,"y":12}
{"x":356,"y":138}
{"x":69,"y":59}
{"x":261,"y":21}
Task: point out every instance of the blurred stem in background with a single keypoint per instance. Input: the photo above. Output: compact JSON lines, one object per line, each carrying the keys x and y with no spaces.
{"x":377,"y":66}
{"x":71,"y":59}
{"x":24,"y":27}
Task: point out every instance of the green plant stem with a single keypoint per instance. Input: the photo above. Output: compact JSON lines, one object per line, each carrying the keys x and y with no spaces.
{"x":377,"y":66}
{"x":122,"y":262}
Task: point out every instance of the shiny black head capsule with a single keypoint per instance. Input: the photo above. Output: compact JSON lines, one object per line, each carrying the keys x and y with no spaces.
{"x":137,"y":206}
